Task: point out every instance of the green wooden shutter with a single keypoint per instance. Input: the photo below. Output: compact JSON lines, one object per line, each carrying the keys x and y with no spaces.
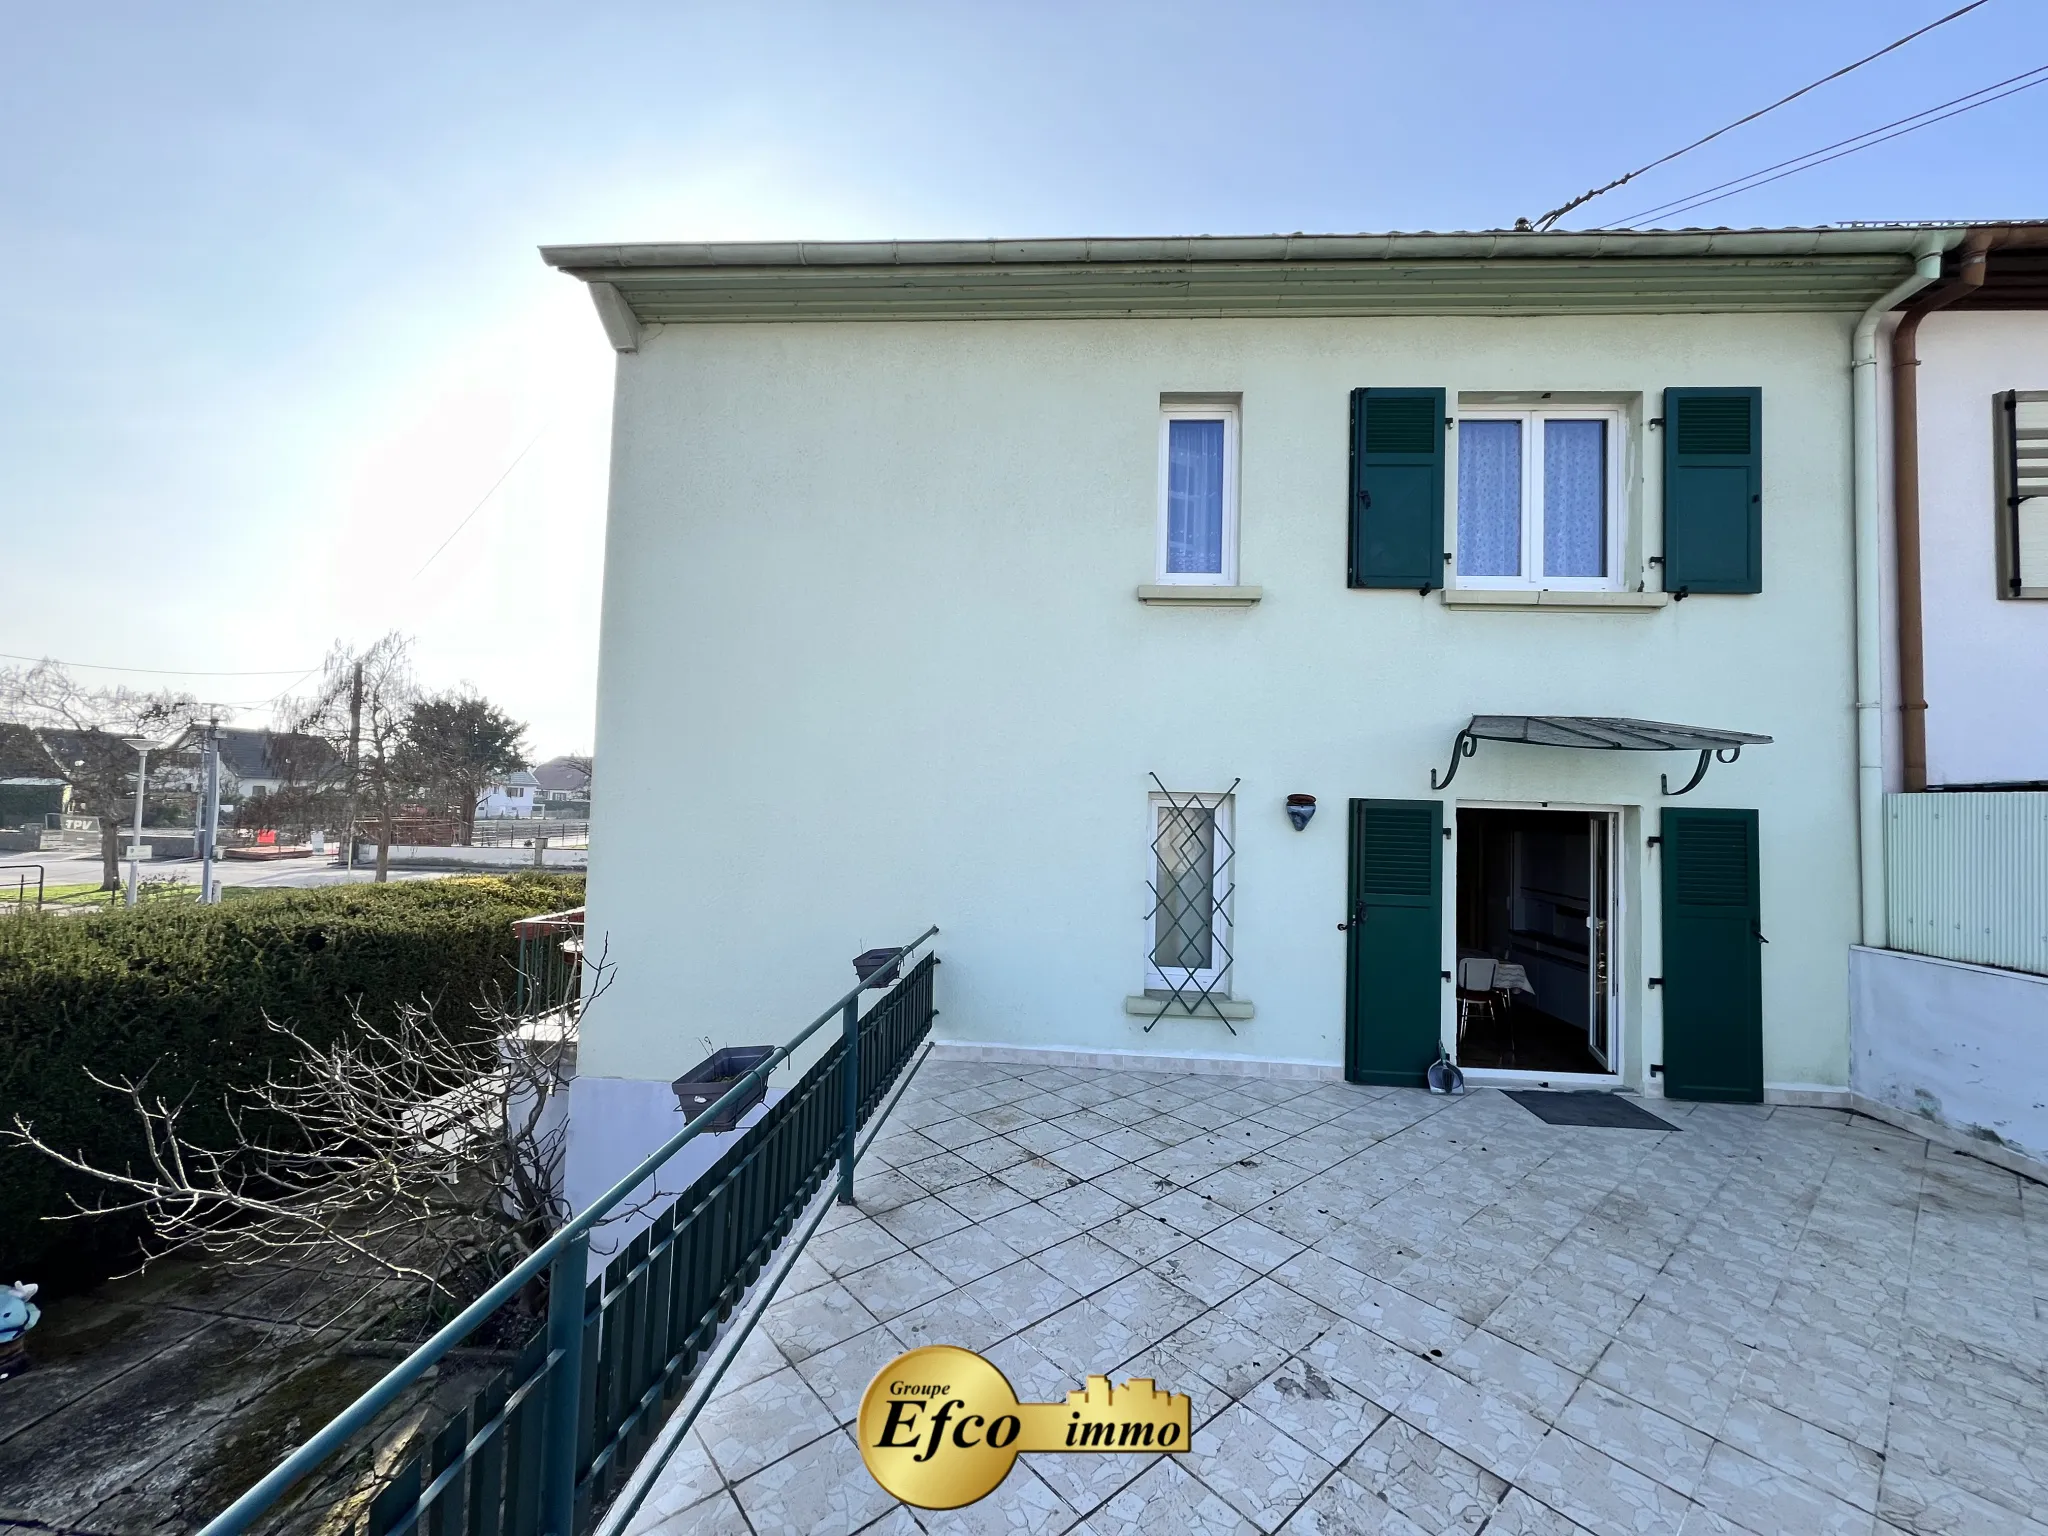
{"x":1394,"y":972}
{"x":1713,"y":490}
{"x":1397,"y":488}
{"x":1713,"y":967}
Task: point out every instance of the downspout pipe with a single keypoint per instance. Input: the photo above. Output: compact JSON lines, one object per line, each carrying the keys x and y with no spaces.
{"x":1906,"y":594}
{"x":1864,"y":486}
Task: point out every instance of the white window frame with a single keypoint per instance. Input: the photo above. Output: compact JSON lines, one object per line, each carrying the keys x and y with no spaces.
{"x":1226,"y":413}
{"x":1156,"y":976}
{"x":1532,"y":578}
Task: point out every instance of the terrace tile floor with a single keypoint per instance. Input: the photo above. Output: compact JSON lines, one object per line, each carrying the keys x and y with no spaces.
{"x":1401,"y":1314}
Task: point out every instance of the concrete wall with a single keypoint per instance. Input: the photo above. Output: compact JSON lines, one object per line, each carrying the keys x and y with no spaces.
{"x":870,"y":626}
{"x":409,"y":856}
{"x":1959,"y":1046}
{"x":618,"y":1122}
{"x":1987,"y":658}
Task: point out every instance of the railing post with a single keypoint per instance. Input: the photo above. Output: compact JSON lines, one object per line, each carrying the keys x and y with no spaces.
{"x":850,"y":1025}
{"x":567,"y":1278}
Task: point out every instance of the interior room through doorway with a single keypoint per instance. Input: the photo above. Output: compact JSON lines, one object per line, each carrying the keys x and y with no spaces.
{"x":1535,"y":898}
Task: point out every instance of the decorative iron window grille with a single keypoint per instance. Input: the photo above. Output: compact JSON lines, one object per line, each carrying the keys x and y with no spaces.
{"x":1193,"y":878}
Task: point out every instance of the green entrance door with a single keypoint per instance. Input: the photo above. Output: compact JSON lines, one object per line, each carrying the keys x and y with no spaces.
{"x":1713,"y":965}
{"x":1393,"y":980}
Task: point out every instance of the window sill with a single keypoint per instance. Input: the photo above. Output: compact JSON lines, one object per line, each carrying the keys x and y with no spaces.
{"x":1492,"y":597}
{"x":1144,"y":1006}
{"x":1198,"y":596}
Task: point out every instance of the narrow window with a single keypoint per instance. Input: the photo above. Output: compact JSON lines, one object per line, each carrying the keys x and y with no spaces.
{"x":1198,"y":495}
{"x":1536,"y":498}
{"x":1189,"y":942}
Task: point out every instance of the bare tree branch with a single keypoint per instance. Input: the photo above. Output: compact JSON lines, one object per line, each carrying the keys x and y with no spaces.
{"x":84,"y":733}
{"x":405,"y":1150}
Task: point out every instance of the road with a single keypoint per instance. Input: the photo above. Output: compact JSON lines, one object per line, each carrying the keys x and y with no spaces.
{"x":68,"y":866}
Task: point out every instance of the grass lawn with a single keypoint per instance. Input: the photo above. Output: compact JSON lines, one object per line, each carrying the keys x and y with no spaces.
{"x":89,"y":894}
{"x":74,"y":898}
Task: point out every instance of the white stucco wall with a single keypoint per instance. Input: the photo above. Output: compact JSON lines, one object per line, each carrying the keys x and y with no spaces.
{"x":870,"y":626}
{"x":1987,"y":658}
{"x":1959,"y":1045}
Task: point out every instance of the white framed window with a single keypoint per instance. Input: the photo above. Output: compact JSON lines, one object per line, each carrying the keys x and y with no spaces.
{"x":1539,"y":499}
{"x":1198,"y":495}
{"x":1188,"y":930}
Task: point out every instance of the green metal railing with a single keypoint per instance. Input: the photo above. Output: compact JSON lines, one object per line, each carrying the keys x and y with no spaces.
{"x":550,"y":966}
{"x":548,"y":1442}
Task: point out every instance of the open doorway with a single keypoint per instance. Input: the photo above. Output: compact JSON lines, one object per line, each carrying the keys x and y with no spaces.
{"x":1535,"y":940}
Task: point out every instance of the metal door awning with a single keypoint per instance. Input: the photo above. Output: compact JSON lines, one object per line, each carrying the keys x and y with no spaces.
{"x":1602,"y":733}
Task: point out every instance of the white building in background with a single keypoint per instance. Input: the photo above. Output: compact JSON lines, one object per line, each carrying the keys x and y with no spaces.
{"x":563,"y":782}
{"x":1017,"y":587}
{"x":512,"y":795}
{"x":1983,"y":413}
{"x":1948,"y":1022}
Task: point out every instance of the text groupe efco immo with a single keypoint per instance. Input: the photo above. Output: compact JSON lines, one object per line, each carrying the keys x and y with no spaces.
{"x":908,"y":1399}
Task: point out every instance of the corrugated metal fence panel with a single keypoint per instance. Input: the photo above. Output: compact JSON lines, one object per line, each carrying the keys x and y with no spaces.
{"x":1968,"y":877}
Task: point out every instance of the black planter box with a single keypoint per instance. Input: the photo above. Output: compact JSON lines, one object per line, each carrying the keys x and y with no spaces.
{"x":704,"y":1084}
{"x":877,"y":967}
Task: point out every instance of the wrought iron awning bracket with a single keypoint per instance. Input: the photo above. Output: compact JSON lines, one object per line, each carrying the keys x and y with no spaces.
{"x":1221,"y":891}
{"x":1465,"y":746}
{"x":1707,"y":755}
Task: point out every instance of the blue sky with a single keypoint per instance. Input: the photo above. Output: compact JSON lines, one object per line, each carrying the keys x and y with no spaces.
{"x":271,"y":321}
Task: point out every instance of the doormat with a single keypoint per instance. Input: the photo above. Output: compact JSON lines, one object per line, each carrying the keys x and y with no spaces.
{"x":1602,"y":1109}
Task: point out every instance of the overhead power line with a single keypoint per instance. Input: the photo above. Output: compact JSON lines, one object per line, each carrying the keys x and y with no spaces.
{"x":1869,"y":139}
{"x":92,"y":666}
{"x":487,"y":495}
{"x":1559,"y":212}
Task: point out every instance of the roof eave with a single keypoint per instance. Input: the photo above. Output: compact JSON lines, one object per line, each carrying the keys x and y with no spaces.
{"x":1485,"y":245}
{"x":1266,"y":276}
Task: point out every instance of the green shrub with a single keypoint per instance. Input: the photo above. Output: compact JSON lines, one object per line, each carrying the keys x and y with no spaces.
{"x":180,"y":992}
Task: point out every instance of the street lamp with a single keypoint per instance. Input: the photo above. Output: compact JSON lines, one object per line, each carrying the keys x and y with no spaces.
{"x":142,"y":746}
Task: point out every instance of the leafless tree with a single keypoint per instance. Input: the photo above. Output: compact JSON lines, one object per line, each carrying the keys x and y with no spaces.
{"x":361,"y":708}
{"x":408,"y":1152}
{"x":86,"y":733}
{"x":457,"y":744}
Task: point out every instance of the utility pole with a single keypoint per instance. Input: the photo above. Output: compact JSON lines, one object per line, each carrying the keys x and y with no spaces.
{"x":210,"y":831}
{"x":141,"y":747}
{"x":355,"y":759}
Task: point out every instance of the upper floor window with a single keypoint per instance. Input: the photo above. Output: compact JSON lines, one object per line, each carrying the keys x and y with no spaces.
{"x":2022,"y":430}
{"x":1198,"y":495}
{"x":1538,"y":493}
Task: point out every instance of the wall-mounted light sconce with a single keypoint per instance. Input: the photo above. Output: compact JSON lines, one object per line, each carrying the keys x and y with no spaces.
{"x":1299,"y":809}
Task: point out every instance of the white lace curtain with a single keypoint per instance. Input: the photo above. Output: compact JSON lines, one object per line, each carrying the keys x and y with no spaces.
{"x":1489,"y":498}
{"x":1194,"y":497}
{"x":1575,"y":498}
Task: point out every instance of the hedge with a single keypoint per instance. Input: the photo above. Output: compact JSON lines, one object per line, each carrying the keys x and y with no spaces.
{"x":181,"y":992}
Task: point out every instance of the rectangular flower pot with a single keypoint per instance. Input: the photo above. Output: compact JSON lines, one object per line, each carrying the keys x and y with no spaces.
{"x":704,"y":1084}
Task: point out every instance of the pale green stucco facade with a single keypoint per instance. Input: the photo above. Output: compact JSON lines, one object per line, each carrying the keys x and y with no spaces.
{"x":872,"y":640}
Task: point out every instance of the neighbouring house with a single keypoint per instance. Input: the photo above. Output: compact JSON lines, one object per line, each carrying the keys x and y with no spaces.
{"x":1949,"y":1018}
{"x":510,"y":795}
{"x":562,"y":786}
{"x":255,"y":763}
{"x":32,"y":791}
{"x":1033,"y":588}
